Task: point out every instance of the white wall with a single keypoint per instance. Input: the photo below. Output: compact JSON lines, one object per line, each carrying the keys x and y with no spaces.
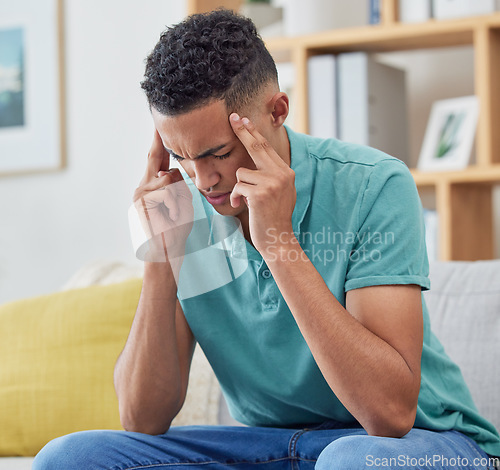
{"x":52,"y":224}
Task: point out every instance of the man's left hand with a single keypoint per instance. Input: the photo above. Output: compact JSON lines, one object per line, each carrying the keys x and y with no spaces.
{"x":268,"y":191}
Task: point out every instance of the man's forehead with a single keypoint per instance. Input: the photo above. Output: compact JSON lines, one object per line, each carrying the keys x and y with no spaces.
{"x":198,"y":132}
{"x":216,"y":109}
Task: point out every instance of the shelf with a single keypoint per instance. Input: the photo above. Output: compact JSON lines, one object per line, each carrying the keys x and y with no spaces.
{"x":201,"y":6}
{"x":393,"y":37}
{"x":480,"y":32}
{"x":472,"y":174}
{"x":463,"y":199}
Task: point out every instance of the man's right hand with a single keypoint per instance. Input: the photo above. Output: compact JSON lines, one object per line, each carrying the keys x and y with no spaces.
{"x":164,"y":204}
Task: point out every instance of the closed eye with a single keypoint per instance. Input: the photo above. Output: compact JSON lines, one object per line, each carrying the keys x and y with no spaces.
{"x":222,"y":157}
{"x":178,"y":158}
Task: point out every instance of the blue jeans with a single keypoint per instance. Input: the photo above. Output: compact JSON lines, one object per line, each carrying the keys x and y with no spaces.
{"x":324,"y":447}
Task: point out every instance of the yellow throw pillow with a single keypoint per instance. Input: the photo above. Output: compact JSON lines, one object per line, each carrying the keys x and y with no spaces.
{"x":57,"y":355}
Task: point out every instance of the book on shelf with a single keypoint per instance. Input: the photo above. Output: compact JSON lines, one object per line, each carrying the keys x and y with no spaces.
{"x":374,"y":12}
{"x":322,"y":96}
{"x":371,"y":99}
{"x":411,"y":11}
{"x":431,"y":233}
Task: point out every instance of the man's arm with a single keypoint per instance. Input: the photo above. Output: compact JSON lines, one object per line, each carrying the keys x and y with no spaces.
{"x":151,"y":374}
{"x":368,"y":352}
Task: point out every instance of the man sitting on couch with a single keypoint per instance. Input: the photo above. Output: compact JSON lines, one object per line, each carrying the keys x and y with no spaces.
{"x":322,"y":345}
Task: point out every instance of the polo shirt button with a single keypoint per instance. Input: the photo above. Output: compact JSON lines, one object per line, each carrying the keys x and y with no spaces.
{"x":266,"y":274}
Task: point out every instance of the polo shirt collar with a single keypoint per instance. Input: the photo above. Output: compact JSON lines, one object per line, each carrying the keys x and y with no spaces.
{"x":302,"y":165}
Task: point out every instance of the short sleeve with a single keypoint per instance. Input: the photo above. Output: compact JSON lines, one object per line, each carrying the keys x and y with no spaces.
{"x":389,"y":243}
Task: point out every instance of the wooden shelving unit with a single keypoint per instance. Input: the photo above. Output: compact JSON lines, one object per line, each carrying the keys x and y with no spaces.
{"x":463,"y":198}
{"x":201,"y":6}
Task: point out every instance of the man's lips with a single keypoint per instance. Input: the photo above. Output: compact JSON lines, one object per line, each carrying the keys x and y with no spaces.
{"x":217,"y":199}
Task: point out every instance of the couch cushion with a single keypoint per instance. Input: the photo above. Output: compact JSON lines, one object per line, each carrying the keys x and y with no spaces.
{"x":464,"y":307}
{"x":57,"y":356}
{"x":204,"y":397}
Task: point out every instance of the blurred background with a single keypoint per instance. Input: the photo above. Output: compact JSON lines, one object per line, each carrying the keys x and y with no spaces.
{"x":54,"y":222}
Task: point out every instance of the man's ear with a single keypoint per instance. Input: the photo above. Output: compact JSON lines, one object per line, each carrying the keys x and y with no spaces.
{"x":279,"y":108}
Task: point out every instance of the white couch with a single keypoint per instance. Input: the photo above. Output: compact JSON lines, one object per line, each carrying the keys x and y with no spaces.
{"x":464,"y":305}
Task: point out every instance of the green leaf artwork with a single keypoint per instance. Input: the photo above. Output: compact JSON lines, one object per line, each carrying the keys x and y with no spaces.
{"x":449,"y":137}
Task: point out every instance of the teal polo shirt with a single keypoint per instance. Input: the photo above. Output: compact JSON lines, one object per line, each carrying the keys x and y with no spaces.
{"x":358,"y":218}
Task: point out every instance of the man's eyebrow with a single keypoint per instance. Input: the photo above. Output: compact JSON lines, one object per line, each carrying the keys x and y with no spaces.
{"x":204,"y":154}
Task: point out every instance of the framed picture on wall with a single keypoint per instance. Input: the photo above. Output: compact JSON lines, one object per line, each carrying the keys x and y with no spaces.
{"x":450,"y":134}
{"x":31,"y":86}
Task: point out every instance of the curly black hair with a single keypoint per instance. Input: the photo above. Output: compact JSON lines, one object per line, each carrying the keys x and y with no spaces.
{"x":215,"y":55}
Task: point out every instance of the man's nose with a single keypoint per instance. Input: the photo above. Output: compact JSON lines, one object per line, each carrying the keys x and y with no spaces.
{"x":205,"y":174}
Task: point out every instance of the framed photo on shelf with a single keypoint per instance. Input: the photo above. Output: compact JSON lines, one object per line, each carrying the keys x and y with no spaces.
{"x":31,"y":87}
{"x":450,"y":134}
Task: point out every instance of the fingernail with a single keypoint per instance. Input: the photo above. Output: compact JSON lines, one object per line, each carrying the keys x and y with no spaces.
{"x":235,"y":117}
{"x":245,"y":121}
